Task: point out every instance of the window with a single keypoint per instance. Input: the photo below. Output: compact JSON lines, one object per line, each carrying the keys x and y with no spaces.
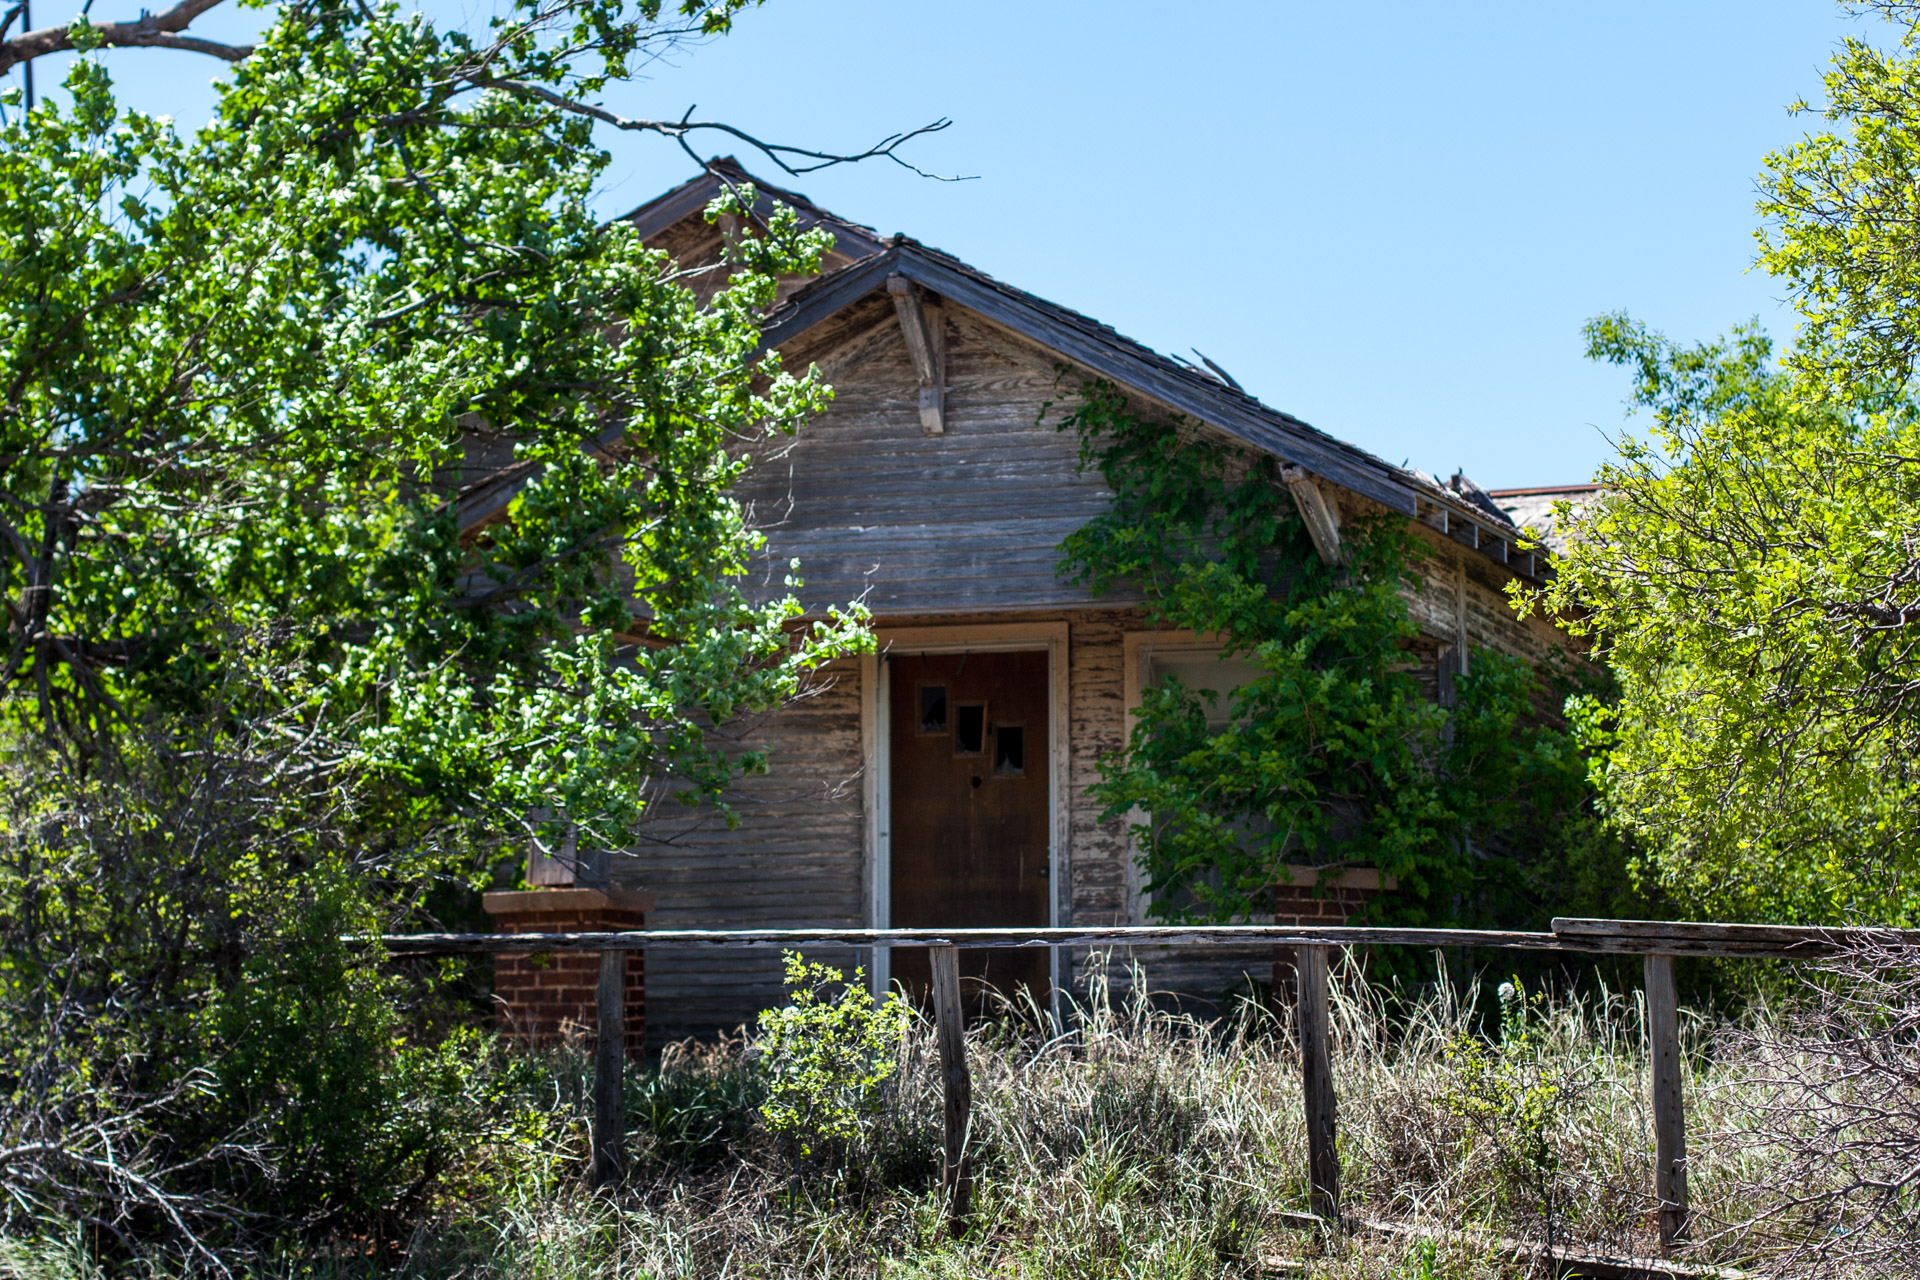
{"x":1205,"y":672}
{"x":933,"y":708}
{"x":970,"y":729}
{"x":1009,"y":750}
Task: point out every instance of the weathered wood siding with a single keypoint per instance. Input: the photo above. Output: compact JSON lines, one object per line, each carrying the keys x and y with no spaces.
{"x":1096,"y":702}
{"x":695,"y":246}
{"x":795,"y":861}
{"x":960,"y":527}
{"x":876,"y":510}
{"x":797,"y":858}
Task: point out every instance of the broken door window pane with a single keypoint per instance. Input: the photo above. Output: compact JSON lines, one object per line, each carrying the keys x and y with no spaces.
{"x":1009,"y":750}
{"x":933,"y":708}
{"x":969,"y":728}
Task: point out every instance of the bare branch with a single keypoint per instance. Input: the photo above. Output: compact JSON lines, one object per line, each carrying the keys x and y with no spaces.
{"x":793,"y":160}
{"x":1830,"y":1111}
{"x":149,"y":30}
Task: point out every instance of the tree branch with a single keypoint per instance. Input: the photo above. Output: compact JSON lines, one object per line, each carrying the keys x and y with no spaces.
{"x":794,"y":160}
{"x":157,"y":31}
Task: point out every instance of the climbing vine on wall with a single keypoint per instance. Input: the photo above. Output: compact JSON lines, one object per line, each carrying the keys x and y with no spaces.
{"x":1333,"y":754}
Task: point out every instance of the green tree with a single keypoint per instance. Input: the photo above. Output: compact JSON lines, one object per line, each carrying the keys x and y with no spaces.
{"x":1842,"y":206}
{"x":250,"y":371}
{"x":260,"y":686}
{"x":1753,"y":574}
{"x":1747,"y":576}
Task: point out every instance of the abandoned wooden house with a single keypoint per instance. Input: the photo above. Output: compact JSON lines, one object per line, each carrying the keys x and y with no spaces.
{"x":943,"y":780}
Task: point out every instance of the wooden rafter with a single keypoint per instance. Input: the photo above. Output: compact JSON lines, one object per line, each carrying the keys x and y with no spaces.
{"x":926,"y":332}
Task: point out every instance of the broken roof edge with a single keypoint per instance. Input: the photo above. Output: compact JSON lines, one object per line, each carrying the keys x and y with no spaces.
{"x":1096,"y":346}
{"x":1543,"y":490}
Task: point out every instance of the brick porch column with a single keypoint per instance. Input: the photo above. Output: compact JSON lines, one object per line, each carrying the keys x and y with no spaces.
{"x":1313,"y":899}
{"x":542,"y":993}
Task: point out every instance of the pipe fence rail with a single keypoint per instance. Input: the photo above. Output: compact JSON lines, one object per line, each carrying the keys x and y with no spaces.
{"x":1657,"y":941}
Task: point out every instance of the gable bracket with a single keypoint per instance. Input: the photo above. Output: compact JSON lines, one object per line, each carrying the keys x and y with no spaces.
{"x":925,"y":329}
{"x":1321,"y":517}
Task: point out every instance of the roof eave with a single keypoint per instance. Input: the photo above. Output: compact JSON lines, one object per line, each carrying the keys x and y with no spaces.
{"x":1266,"y":429}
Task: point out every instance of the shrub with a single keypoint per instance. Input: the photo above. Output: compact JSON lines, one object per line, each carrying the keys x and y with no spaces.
{"x":189,"y":1052}
{"x":828,"y":1058}
{"x":697,"y":1105}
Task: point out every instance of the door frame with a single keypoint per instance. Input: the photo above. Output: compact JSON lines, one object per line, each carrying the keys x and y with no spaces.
{"x":875,"y":739}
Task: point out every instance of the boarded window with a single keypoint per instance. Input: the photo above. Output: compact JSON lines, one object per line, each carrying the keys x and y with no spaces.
{"x":1009,"y":750}
{"x":933,"y":708}
{"x":970,"y":729}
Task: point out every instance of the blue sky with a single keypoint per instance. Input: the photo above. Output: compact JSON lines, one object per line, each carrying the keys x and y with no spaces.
{"x":1390,"y":220}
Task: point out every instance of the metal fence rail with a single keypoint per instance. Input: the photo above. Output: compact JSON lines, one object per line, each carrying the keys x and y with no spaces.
{"x":1658,"y":941}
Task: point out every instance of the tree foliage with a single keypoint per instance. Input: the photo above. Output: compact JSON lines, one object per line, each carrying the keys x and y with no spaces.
{"x":261,"y":686}
{"x":1753,"y":573}
{"x":250,"y":371}
{"x":1746,"y":575}
{"x":1841,"y":208}
{"x":1334,"y":754}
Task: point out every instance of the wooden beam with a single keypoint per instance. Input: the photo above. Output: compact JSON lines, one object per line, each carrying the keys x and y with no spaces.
{"x":1669,"y":1109}
{"x":1118,"y":936}
{"x":1316,"y":1077}
{"x":1450,"y":665}
{"x":927,"y":346}
{"x":933,"y":399}
{"x":1082,"y":936}
{"x":609,"y":1068}
{"x":1784,"y":935}
{"x":1321,"y":517}
{"x":1462,"y":624}
{"x":1566,"y":1260}
{"x":951,"y":1025}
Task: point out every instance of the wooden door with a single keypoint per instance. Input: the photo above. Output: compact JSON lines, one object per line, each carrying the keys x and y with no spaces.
{"x":969,"y":810}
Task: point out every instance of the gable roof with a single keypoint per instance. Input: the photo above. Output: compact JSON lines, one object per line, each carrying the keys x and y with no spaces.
{"x":1095,"y":346}
{"x":851,"y":240}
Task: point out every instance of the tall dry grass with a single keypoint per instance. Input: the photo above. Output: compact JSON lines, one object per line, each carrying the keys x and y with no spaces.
{"x":1138,"y":1143}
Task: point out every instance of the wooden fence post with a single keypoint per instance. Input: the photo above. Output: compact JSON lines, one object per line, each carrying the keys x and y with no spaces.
{"x":1323,"y":1161}
{"x":609,"y":1066}
{"x":1669,"y":1111}
{"x":951,"y":1022}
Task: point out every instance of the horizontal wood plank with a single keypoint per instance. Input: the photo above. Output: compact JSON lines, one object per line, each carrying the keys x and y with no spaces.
{"x":1134,"y":936}
{"x":1743,"y":935}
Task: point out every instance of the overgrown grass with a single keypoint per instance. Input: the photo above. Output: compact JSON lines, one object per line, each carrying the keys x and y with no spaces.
{"x":1134,"y":1144}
